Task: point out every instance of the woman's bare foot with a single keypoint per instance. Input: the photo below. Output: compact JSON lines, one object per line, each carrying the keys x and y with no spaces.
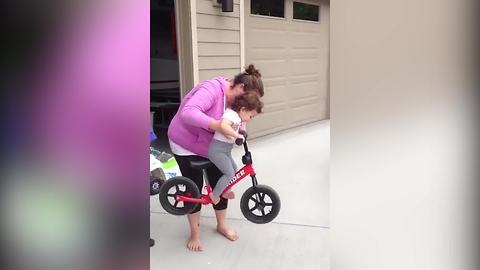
{"x":194,"y":242}
{"x":214,"y":199}
{"x":228,"y":233}
{"x":229,"y":195}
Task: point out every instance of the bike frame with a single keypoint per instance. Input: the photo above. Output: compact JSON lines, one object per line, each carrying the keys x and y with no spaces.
{"x":239,"y":175}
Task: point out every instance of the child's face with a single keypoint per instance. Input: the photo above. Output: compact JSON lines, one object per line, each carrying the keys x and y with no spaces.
{"x":246,"y":115}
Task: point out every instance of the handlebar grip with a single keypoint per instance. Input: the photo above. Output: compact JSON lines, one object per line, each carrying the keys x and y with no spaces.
{"x":239,"y":141}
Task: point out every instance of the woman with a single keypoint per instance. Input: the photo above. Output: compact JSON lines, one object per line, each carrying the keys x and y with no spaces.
{"x":191,"y":131}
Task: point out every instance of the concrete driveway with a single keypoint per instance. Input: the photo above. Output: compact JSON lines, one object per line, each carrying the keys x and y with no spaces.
{"x":296,"y":164}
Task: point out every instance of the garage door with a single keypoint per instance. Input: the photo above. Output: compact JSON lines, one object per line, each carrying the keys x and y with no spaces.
{"x":291,"y":50}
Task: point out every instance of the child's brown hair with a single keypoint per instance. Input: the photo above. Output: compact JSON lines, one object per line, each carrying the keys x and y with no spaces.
{"x":248,"y":100}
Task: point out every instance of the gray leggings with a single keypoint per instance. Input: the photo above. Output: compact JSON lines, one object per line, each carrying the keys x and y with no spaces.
{"x":220,"y":153}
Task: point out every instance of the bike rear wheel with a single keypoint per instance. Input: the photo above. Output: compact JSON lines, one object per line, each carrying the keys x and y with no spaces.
{"x":174,"y":186}
{"x":260,"y":204}
{"x":155,"y":184}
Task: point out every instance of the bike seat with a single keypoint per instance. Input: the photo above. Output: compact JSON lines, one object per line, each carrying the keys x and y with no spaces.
{"x":200,"y":164}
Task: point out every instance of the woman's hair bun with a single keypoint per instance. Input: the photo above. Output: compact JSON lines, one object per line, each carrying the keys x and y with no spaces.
{"x":251,"y":70}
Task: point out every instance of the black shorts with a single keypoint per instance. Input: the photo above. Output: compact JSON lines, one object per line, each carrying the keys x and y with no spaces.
{"x":196,"y":176}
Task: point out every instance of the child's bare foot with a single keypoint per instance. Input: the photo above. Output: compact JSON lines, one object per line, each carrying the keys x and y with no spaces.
{"x":228,"y":233}
{"x":214,"y":199}
{"x":229,"y":195}
{"x":194,"y":243}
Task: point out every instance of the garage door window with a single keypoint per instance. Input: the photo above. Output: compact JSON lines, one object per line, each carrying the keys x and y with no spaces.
{"x":306,"y":12}
{"x":273,"y":8}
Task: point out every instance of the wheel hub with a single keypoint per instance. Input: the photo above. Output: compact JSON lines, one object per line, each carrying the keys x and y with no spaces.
{"x":260,"y":205}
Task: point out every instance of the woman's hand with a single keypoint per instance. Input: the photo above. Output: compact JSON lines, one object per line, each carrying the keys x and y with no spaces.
{"x":226,"y":129}
{"x":232,"y":136}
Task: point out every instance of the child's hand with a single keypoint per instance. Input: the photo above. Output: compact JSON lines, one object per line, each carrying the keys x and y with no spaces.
{"x":237,"y":136}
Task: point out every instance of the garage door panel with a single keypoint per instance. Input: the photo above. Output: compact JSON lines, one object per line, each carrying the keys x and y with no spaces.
{"x":323,"y":88}
{"x":316,"y":105}
{"x":293,"y":59}
{"x":307,"y":113}
{"x":259,"y":22}
{"x":305,"y":66}
{"x":314,"y":76}
{"x":267,"y":121}
{"x":322,"y":91}
{"x":300,"y":102}
{"x":304,"y":40}
{"x":272,"y":81}
{"x":305,"y":53}
{"x":267,"y":53}
{"x":306,"y":27}
{"x":267,"y":38}
{"x":304,"y":90}
{"x":274,"y":94}
{"x":274,"y":107}
{"x":304,"y":122}
{"x":271,"y":69}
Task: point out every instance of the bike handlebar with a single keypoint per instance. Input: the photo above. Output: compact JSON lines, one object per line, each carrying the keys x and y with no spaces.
{"x":240,"y":141}
{"x":243,"y":132}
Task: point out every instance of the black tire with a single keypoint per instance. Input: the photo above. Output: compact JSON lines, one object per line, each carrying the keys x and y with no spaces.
{"x":260,"y":204}
{"x":178,"y":185}
{"x":155,"y":184}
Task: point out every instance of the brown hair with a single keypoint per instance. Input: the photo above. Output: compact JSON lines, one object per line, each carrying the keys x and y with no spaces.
{"x":248,"y":100}
{"x":251,"y":79}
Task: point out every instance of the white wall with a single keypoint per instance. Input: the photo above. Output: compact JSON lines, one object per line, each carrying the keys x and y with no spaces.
{"x":402,"y":176}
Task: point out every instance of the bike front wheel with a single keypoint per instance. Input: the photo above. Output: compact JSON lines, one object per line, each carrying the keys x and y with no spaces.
{"x":174,"y":186}
{"x":260,"y":204}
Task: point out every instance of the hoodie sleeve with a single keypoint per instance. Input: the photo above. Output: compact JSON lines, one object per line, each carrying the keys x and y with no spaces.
{"x":194,"y":111}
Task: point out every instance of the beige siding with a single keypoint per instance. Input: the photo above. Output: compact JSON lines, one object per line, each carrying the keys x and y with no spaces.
{"x":220,"y":49}
{"x":218,"y":35}
{"x":210,"y":21}
{"x":218,"y":62}
{"x":210,"y":73}
{"x":207,"y":7}
{"x":218,"y":40}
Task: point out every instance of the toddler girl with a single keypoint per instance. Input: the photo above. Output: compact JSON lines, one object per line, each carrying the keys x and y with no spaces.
{"x":243,"y":108}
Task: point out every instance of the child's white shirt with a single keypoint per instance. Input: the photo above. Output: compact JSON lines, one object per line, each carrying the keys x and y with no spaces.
{"x":233,"y":116}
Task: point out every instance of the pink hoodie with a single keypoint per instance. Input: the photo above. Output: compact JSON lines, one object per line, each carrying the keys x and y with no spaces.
{"x":204,"y":103}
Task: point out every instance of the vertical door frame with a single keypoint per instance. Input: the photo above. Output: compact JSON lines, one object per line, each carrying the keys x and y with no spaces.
{"x":186,"y":21}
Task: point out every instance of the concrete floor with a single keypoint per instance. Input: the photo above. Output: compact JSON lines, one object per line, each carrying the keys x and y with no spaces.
{"x":296,"y":164}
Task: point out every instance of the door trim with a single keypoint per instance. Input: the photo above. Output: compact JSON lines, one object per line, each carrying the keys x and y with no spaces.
{"x":186,"y":38}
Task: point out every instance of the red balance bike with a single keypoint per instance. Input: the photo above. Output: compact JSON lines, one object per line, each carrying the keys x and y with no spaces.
{"x":259,"y":203}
